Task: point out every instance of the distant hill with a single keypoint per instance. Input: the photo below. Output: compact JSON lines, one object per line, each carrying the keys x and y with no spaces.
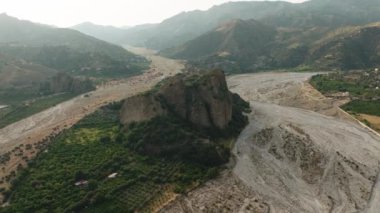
{"x":348,"y":48}
{"x":233,"y":46}
{"x":64,"y":49}
{"x":326,"y":13}
{"x":315,"y":13}
{"x":16,"y":73}
{"x":228,"y":39}
{"x":245,"y":46}
{"x":189,"y":25}
{"x":248,"y":46}
{"x":106,"y":33}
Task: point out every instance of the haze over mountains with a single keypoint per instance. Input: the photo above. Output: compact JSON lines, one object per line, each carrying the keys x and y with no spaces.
{"x":292,"y":43}
{"x":240,"y":46}
{"x":315,"y":13}
{"x":61,"y":49}
{"x":32,"y":57}
{"x":106,"y":33}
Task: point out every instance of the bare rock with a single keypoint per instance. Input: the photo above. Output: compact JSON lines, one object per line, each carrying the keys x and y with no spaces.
{"x":140,"y":108}
{"x":200,"y":98}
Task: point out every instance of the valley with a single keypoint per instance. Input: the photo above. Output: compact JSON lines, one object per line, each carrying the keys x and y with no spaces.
{"x":228,"y":106}
{"x":39,"y":127}
{"x":286,"y":110}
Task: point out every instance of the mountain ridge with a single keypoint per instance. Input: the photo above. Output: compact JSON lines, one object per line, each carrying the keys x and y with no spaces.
{"x":64,"y":49}
{"x":186,"y":26}
{"x":249,"y":46}
{"x":103,"y":32}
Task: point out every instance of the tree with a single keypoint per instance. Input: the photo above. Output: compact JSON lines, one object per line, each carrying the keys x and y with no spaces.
{"x":92,"y":185}
{"x":105,"y":139}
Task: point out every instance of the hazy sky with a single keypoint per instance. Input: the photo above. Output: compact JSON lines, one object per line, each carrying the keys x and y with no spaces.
{"x":64,"y":13}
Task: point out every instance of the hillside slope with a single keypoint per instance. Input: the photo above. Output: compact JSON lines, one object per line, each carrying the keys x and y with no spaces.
{"x":235,"y":45}
{"x":233,"y":37}
{"x":315,"y":13}
{"x":248,"y":46}
{"x":348,"y":48}
{"x":25,"y":33}
{"x":105,"y":33}
{"x":19,"y":73}
{"x":189,"y":25}
{"x":63,"y":49}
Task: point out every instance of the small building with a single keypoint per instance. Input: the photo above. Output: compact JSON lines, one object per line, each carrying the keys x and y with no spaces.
{"x":113,"y":175}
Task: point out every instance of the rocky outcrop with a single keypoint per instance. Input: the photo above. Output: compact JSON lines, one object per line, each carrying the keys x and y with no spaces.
{"x":200,"y":98}
{"x":140,"y":108}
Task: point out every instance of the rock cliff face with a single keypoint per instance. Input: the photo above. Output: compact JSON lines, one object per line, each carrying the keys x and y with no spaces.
{"x":185,"y":118}
{"x":200,"y":98}
{"x":140,"y":108}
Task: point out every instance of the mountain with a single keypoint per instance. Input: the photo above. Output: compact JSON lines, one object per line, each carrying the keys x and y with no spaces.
{"x":235,"y":45}
{"x":246,"y":46}
{"x":16,"y":73}
{"x":106,"y":33}
{"x":331,"y":13}
{"x":348,"y":48}
{"x":189,"y":25}
{"x":315,"y":13}
{"x":242,"y":46}
{"x":64,"y":49}
{"x":229,"y":38}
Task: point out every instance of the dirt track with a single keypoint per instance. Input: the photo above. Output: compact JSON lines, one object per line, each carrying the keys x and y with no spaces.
{"x":300,"y":153}
{"x":64,"y":115}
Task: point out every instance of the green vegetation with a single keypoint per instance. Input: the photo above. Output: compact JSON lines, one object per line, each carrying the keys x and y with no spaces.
{"x":20,"y":111}
{"x":100,"y":165}
{"x":34,"y":56}
{"x":363,"y":107}
{"x":362,"y":88}
{"x":360,"y":84}
{"x":65,"y":50}
{"x":78,"y":63}
{"x":92,"y":150}
{"x":28,"y":100}
{"x":15,"y":96}
{"x":302,"y":68}
{"x":172,"y":138}
{"x":335,"y":83}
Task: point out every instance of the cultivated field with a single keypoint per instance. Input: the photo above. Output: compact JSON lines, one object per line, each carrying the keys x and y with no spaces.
{"x":37,"y":128}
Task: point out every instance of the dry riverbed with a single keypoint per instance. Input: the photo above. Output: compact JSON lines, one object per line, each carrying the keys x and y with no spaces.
{"x":300,"y":153}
